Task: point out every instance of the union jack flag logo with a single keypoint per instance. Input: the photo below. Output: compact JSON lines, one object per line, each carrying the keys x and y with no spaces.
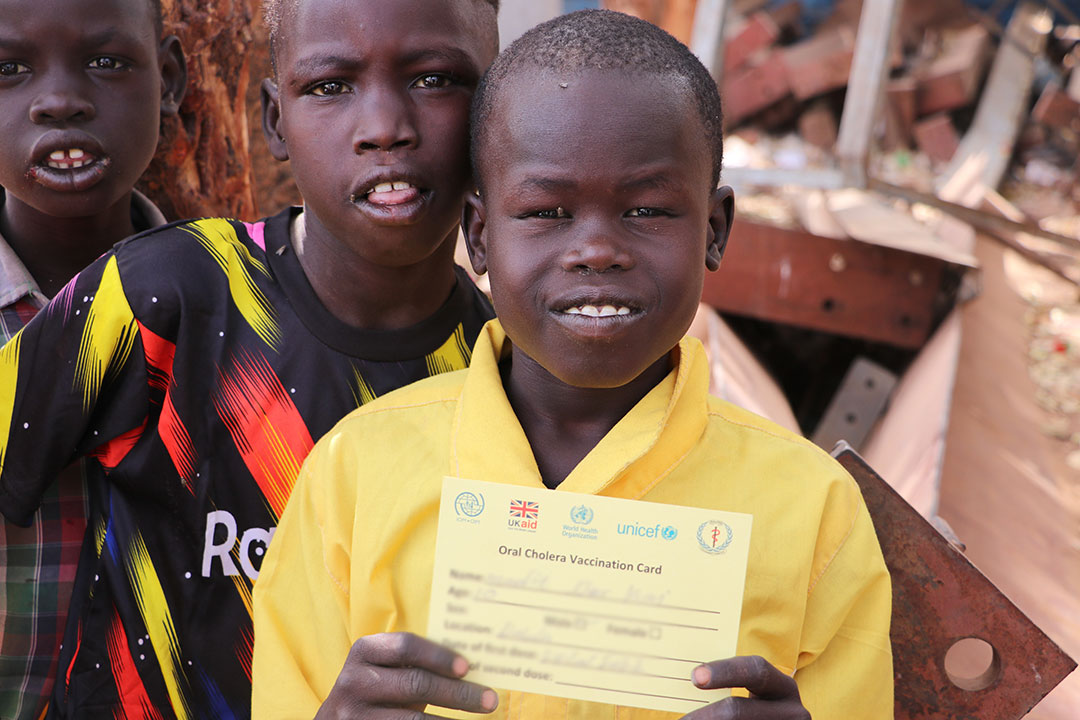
{"x":524,"y":509}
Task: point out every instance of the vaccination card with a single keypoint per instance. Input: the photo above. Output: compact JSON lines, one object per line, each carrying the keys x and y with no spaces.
{"x":587,"y":597}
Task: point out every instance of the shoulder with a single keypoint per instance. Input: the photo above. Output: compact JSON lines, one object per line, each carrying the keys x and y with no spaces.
{"x":736,"y":420}
{"x":187,"y":242}
{"x":789,"y":461}
{"x":191,"y":264}
{"x":406,"y":415}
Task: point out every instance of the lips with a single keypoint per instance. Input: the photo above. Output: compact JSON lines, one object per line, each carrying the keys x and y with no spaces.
{"x":396,"y":192}
{"x":391,"y":198}
{"x":388,"y":190}
{"x":598,"y":313}
{"x":68,"y":163}
{"x":601,"y":311}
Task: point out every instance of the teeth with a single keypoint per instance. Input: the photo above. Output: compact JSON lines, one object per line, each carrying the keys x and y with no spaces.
{"x":603,"y":311}
{"x":67,"y":159}
{"x":390,"y":187}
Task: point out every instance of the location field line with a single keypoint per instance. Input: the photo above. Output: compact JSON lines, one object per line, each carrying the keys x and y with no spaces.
{"x":581,"y":666}
{"x":617,"y":601}
{"x":634,"y":692}
{"x":544,"y":608}
{"x":595,"y":649}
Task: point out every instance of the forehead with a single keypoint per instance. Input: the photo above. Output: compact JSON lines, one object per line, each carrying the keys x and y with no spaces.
{"x":357,"y":28}
{"x":603,"y":123}
{"x":70,"y":21}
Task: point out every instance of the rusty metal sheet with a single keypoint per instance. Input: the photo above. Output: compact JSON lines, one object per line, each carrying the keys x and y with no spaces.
{"x":940,"y":598}
{"x":845,"y":287}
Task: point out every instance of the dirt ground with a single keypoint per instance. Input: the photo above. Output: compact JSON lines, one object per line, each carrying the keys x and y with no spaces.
{"x":1006,"y":488}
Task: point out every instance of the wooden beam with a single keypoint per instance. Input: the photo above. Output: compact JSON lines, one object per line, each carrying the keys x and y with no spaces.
{"x":1004,"y":102}
{"x":707,"y":37}
{"x":843,"y":287}
{"x":873,"y":46}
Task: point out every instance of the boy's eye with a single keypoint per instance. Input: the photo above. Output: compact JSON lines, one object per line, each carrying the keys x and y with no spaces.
{"x":10,"y":68}
{"x":329,"y":88}
{"x":645,"y":212}
{"x":553,"y":214}
{"x":432,"y":82}
{"x":107,"y":62}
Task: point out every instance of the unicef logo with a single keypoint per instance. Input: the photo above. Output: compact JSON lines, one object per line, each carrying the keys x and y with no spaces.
{"x":469,"y":504}
{"x":669,"y":533}
{"x":581,"y":514}
{"x":714,"y":536}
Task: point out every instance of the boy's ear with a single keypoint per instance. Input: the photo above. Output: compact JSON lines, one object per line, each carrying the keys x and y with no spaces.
{"x":473,"y":226}
{"x":721,"y":213}
{"x":271,"y":120}
{"x":173,"y":74}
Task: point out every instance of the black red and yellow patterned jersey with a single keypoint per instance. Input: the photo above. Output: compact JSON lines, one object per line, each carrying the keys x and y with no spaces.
{"x":195,"y":366}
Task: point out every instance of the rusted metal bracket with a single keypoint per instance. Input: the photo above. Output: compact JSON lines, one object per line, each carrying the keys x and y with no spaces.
{"x":940,"y":599}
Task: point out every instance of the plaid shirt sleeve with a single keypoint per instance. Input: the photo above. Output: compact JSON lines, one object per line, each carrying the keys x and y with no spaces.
{"x":37,"y":573}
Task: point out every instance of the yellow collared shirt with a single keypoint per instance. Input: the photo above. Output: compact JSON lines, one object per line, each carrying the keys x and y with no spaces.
{"x":353,"y":553}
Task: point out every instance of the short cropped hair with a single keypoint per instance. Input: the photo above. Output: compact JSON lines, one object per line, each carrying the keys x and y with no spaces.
{"x":604,"y":40}
{"x":155,"y":16}
{"x":274,"y":12}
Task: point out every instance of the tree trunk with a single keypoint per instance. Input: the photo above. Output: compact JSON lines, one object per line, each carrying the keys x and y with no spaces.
{"x":203,"y":164}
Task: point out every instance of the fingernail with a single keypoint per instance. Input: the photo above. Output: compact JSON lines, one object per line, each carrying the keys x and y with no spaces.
{"x":460,"y":666}
{"x":489,"y":700}
{"x":702,"y":676}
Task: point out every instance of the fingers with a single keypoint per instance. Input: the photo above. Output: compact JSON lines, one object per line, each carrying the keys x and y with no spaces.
{"x":403,"y":670}
{"x":409,"y":650}
{"x":752,"y":672}
{"x":734,"y":708}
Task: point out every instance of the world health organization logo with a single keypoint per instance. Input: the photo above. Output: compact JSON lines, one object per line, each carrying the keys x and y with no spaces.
{"x":581,"y":514}
{"x":714,"y":536}
{"x":469,"y":504}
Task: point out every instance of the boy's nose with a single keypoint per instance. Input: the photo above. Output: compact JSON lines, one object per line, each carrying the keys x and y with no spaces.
{"x":61,"y":105}
{"x":385,"y":123}
{"x":597,"y":253}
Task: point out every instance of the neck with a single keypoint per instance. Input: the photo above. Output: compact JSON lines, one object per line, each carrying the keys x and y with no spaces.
{"x":55,"y":249}
{"x":563,"y":423}
{"x":369,"y":296}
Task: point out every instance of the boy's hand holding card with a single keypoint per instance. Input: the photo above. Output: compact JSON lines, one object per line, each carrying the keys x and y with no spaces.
{"x":587,"y":597}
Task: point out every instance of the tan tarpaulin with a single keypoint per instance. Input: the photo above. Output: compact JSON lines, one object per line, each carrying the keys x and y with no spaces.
{"x":1006,"y":489}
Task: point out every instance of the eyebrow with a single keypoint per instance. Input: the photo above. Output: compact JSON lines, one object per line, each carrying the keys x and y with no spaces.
{"x":654,"y":181}
{"x":448,"y":54}
{"x":108,"y":35}
{"x":544,"y":184}
{"x":90,"y":41}
{"x":319,"y":63}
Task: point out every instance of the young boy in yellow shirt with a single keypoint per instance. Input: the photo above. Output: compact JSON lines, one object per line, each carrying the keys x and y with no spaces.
{"x":597,"y":148}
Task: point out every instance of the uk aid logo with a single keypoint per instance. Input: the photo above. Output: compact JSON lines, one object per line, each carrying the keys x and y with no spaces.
{"x":524,"y":515}
{"x":469,"y":506}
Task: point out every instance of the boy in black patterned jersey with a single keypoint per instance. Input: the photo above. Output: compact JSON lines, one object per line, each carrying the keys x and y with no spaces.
{"x":197,"y":364}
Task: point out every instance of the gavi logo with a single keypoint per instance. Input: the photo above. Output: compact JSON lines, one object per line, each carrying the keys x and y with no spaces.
{"x":222,"y":549}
